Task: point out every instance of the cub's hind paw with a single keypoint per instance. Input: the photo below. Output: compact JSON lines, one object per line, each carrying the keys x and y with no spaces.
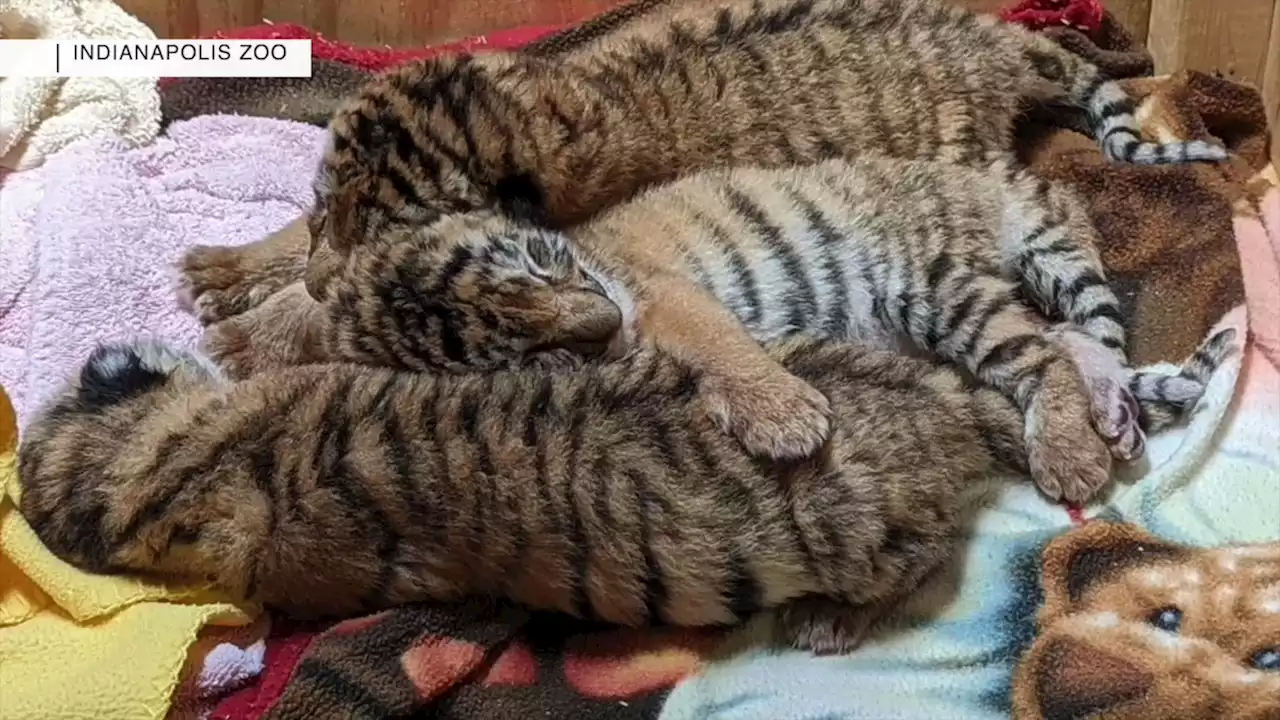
{"x":774,"y":415}
{"x":824,"y":627}
{"x":216,"y":283}
{"x":283,"y":331}
{"x":1114,"y":409}
{"x":1116,"y":416}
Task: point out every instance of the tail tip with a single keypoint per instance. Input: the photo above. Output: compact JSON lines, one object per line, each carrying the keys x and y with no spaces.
{"x":1170,"y":153}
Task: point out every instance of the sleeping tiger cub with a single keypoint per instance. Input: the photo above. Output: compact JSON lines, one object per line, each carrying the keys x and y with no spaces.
{"x":893,"y":253}
{"x":609,"y":492}
{"x":563,"y":133}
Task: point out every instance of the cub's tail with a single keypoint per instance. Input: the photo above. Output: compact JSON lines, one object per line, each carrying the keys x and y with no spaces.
{"x":1163,"y":399}
{"x":1110,"y":109}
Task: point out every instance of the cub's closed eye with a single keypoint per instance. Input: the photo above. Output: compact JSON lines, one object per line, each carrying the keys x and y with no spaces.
{"x":1266,"y":659}
{"x":1168,"y":619}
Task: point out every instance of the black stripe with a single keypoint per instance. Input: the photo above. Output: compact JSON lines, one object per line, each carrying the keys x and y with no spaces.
{"x":747,"y":287}
{"x":1087,"y":279}
{"x":744,"y":595}
{"x":959,"y":313}
{"x":995,"y":306}
{"x":1117,"y":130}
{"x":804,"y":304}
{"x":1107,"y":309}
{"x":829,"y":240}
{"x":1130,"y":148}
{"x":404,"y":466}
{"x":539,"y":407}
{"x":1006,"y":352}
{"x":1116,"y":107}
{"x":578,"y":541}
{"x":655,"y":585}
{"x":1093,"y":87}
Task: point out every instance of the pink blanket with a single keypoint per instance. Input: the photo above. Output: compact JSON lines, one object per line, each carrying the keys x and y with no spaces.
{"x":90,"y":238}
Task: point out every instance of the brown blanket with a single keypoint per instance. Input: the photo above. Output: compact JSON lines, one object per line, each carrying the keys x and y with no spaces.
{"x":1167,"y":237}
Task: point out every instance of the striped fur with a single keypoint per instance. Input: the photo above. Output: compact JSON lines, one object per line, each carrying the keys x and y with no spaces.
{"x":338,"y":489}
{"x":686,"y":86}
{"x":898,"y":254}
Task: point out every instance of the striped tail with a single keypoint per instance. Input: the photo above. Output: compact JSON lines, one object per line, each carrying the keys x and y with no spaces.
{"x":1164,"y":400}
{"x":1110,"y":110}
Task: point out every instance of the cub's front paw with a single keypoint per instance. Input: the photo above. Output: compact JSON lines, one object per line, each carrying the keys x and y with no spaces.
{"x":824,"y":627}
{"x":774,"y":415}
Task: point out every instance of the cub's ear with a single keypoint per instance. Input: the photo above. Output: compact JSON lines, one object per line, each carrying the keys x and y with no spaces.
{"x":322,"y":269}
{"x":1075,"y":560}
{"x":346,"y":214}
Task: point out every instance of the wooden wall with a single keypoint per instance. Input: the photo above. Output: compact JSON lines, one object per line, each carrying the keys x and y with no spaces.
{"x":1237,"y":38}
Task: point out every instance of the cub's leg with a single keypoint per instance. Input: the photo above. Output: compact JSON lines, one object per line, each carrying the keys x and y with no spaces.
{"x":771,"y":412}
{"x":1049,"y":247}
{"x":216,"y":283}
{"x":999,"y":340}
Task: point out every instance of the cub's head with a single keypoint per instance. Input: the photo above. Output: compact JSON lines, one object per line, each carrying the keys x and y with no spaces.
{"x":78,"y":448}
{"x":1136,"y":628}
{"x":474,"y":292}
{"x":431,"y":138}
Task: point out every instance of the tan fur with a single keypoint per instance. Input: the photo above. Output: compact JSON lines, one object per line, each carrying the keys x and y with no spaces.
{"x":1101,"y":653}
{"x":338,"y":489}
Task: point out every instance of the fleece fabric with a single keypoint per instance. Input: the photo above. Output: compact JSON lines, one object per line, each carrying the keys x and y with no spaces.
{"x":79,"y":645}
{"x":90,"y":238}
{"x":39,"y":116}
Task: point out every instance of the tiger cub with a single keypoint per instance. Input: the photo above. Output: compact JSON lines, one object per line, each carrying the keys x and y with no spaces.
{"x":894,"y":253}
{"x":608,"y":492}
{"x":560,"y":135}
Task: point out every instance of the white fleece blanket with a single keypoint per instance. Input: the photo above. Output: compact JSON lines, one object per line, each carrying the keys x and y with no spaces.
{"x":39,"y":116}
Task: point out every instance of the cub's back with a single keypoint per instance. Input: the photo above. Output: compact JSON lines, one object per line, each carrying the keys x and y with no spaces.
{"x":803,"y":249}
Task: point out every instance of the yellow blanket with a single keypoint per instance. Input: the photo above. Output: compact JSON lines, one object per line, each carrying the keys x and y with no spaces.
{"x":80,"y":645}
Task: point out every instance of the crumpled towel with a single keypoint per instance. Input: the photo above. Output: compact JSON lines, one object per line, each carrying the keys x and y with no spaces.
{"x":39,"y":116}
{"x":90,"y":238}
{"x":81,"y":645}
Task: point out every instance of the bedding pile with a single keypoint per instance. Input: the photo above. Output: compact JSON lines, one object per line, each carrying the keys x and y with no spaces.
{"x":88,"y":238}
{"x":40,"y":116}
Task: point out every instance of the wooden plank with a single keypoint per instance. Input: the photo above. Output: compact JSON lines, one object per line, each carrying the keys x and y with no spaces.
{"x":1228,"y":37}
{"x":213,"y":15}
{"x":319,"y":15}
{"x":153,"y":13}
{"x":1271,"y":84}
